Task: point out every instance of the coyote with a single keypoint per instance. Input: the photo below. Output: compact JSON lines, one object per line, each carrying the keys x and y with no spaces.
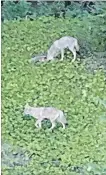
{"x":41,"y":113}
{"x":59,"y":46}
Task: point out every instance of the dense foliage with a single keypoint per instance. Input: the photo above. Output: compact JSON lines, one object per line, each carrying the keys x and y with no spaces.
{"x":33,"y":9}
{"x":81,"y":148}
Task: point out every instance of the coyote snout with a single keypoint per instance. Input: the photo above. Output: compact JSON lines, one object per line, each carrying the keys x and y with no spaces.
{"x":59,"y":46}
{"x":41,"y":113}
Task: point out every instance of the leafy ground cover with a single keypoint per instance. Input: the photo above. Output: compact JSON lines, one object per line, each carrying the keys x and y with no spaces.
{"x":81,"y":148}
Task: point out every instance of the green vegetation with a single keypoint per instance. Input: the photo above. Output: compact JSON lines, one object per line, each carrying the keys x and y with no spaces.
{"x":33,"y":9}
{"x":81,"y":148}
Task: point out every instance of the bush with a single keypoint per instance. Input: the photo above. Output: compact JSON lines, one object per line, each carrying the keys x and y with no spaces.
{"x":45,"y":9}
{"x":11,"y":10}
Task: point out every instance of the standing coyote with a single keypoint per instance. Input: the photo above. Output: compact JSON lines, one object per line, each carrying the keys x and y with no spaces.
{"x":41,"y":113}
{"x":59,"y":46}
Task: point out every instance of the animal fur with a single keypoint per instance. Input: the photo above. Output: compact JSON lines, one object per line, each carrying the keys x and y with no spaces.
{"x":41,"y":113}
{"x":59,"y":45}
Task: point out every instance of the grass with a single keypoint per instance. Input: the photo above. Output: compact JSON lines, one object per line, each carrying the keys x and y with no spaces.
{"x":80,"y":149}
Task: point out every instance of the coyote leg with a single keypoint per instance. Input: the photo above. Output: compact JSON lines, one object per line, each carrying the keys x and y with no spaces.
{"x":62,"y":55}
{"x":53,"y":125}
{"x":38,"y":123}
{"x":74,"y":53}
{"x":63,"y":125}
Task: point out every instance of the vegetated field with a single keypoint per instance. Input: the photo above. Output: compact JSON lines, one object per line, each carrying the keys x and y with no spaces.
{"x":81,"y":147}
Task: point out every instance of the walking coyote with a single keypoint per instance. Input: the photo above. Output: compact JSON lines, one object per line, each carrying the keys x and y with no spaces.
{"x":41,"y":113}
